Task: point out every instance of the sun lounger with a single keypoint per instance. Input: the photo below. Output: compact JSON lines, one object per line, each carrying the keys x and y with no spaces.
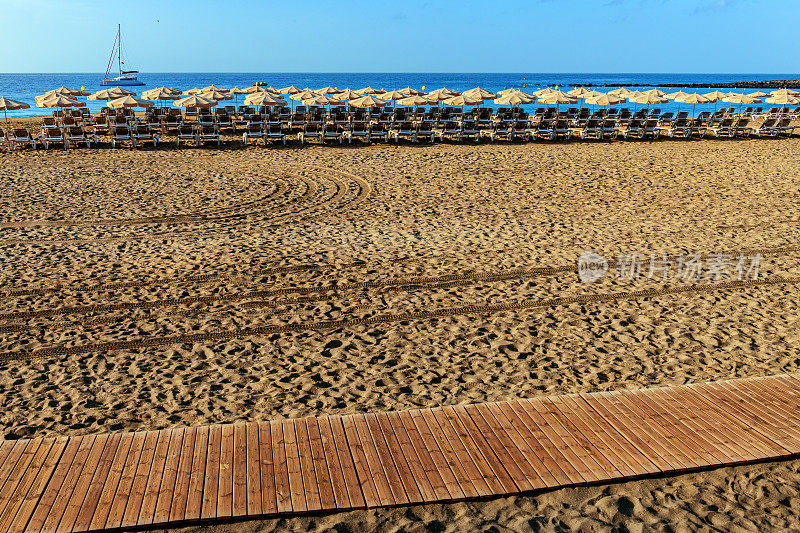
{"x":698,"y":127}
{"x":52,"y":135}
{"x":425,"y":130}
{"x":680,"y":126}
{"x":21,"y":136}
{"x":634,"y":128}
{"x":379,"y":131}
{"x":768,"y":127}
{"x":450,"y":129}
{"x":186,"y":133}
{"x":143,"y":133}
{"x":609,"y":129}
{"x":469,"y":128}
{"x":404,"y":129}
{"x":207,"y":132}
{"x":501,"y":130}
{"x":741,"y":128}
{"x":785,"y":127}
{"x":254,"y":131}
{"x":332,"y":132}
{"x":651,"y":128}
{"x":275,"y":133}
{"x":121,"y":133}
{"x":4,"y":138}
{"x":310,"y":132}
{"x":725,"y":127}
{"x":592,"y":128}
{"x":76,"y":135}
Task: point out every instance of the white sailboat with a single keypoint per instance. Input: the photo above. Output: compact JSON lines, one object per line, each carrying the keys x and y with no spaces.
{"x":126,"y":77}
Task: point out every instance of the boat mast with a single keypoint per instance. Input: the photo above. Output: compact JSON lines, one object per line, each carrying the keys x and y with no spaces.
{"x":119,"y":48}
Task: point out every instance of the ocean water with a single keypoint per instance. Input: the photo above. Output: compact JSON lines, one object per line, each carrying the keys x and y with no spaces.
{"x":25,"y":87}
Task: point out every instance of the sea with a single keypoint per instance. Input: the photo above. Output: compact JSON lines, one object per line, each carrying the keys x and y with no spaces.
{"x":25,"y":87}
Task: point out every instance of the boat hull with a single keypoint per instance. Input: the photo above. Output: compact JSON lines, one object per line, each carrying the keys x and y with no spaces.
{"x":121,"y":83}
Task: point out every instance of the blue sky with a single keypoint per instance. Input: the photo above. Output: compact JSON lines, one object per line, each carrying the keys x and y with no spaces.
{"x":726,"y":36}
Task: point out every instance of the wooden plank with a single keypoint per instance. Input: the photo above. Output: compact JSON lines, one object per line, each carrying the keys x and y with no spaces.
{"x":27,"y":478}
{"x":239,"y":470}
{"x":356,"y":451}
{"x":582,"y":461}
{"x":310,"y":486}
{"x":356,"y":487}
{"x":180,"y":491}
{"x":19,"y":522}
{"x":108,"y":497}
{"x":7,"y":469}
{"x":710,"y":421}
{"x":197,"y":479}
{"x":459,"y":459}
{"x":293,"y":467}
{"x":31,"y":446}
{"x":5,"y":449}
{"x":323,"y":478}
{"x":772,"y":409}
{"x":707,"y":447}
{"x":721,"y":407}
{"x":166,"y":492}
{"x":265,"y":454}
{"x":613,"y":445}
{"x":373,"y":462}
{"x":405,"y":447}
{"x":432,"y":462}
{"x":661,"y":432}
{"x":225,"y":493}
{"x":551,"y":473}
{"x":211,"y":482}
{"x":102,"y":476}
{"x":784,"y":394}
{"x":550,"y":440}
{"x":511,"y":458}
{"x":253,"y":469}
{"x":385,"y":458}
{"x":283,"y":493}
{"x":78,"y":495}
{"x":153,"y":487}
{"x":408,"y":478}
{"x":68,"y":486}
{"x":134,"y":507}
{"x":50,"y":493}
{"x":515,"y":445}
{"x":630,"y":432}
{"x":336,"y":473}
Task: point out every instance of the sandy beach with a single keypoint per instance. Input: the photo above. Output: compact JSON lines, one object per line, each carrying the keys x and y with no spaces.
{"x":115,"y":260}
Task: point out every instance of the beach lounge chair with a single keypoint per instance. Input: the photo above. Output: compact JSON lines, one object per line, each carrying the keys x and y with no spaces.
{"x":500,"y":130}
{"x":544,"y":129}
{"x":357,"y":130}
{"x":310,"y":132}
{"x":425,"y":130}
{"x":207,"y":132}
{"x":450,"y":129}
{"x":331,"y":131}
{"x":634,"y":128}
{"x":651,"y":128}
{"x":275,"y":133}
{"x":52,"y":135}
{"x":21,"y":136}
{"x":679,"y":126}
{"x":254,"y":130}
{"x":591,"y":128}
{"x":741,"y":127}
{"x":609,"y":129}
{"x":379,"y":131}
{"x":725,"y":127}
{"x":785,"y":127}
{"x":186,"y":133}
{"x":519,"y":130}
{"x":121,"y":133}
{"x":561,"y":129}
{"x":171,"y":122}
{"x":403,"y":129}
{"x":4,"y":138}
{"x":153,"y":121}
{"x":49,"y":122}
{"x":469,"y":128}
{"x":76,"y":135}
{"x":768,"y":127}
{"x":698,"y":127}
{"x":143,"y":133}
{"x":224,"y":121}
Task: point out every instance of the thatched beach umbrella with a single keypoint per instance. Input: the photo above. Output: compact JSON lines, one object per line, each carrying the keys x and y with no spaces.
{"x":676,"y":95}
{"x":392,"y":95}
{"x":194,"y":102}
{"x":480,"y":93}
{"x":514,"y":100}
{"x":263,"y":98}
{"x":11,"y":105}
{"x":408,"y":91}
{"x":370,"y":90}
{"x":557,"y":98}
{"x":369,"y":101}
{"x":644,"y":98}
{"x":59,"y":102}
{"x":757,"y":94}
{"x":161,"y":94}
{"x":695,"y":99}
{"x":783,"y":100}
{"x":604,"y":99}
{"x":785,"y":92}
{"x":291,"y":89}
{"x":621,"y":92}
{"x":416,"y":101}
{"x":741,"y":99}
{"x":109,"y":94}
{"x":462,"y":100}
{"x":216,"y":95}
{"x":327,"y":90}
{"x":129,"y":101}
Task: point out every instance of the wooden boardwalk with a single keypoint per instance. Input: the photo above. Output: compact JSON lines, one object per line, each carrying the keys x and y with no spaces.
{"x":330,"y":463}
